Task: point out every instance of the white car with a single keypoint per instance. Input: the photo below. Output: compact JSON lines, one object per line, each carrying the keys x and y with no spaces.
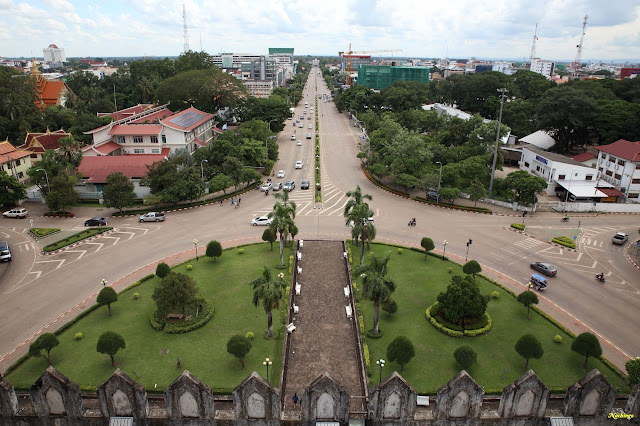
{"x":299,"y":142}
{"x":151,"y":217}
{"x":301,"y":125}
{"x":265,"y":186}
{"x":293,"y":137}
{"x":20,"y":213}
{"x":289,"y":185}
{"x":261,"y":221}
{"x":299,"y":164}
{"x":280,"y":173}
{"x":311,"y":126}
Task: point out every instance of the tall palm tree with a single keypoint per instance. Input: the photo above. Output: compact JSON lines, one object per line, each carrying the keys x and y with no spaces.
{"x":70,"y":152}
{"x":363,"y":229}
{"x":268,"y":292}
{"x":356,"y":198}
{"x":283,"y":215}
{"x":375,"y":285}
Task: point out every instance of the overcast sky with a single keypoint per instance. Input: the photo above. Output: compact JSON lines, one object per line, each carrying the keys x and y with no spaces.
{"x":421,"y":28}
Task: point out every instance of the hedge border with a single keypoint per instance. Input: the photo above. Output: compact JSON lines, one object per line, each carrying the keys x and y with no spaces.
{"x":93,"y":231}
{"x":454,"y":206}
{"x":519,"y":226}
{"x":455,"y":333}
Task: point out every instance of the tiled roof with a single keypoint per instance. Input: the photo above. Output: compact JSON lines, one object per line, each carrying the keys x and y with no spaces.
{"x":96,"y":169}
{"x":623,"y":149}
{"x":127,"y":112}
{"x":153,"y":118}
{"x":135,"y":129}
{"x":187,"y":120}
{"x":199,"y":142}
{"x":107,"y":148}
{"x":585,"y":156}
{"x":611,"y":192}
{"x":40,"y":142}
{"x":9,"y":152}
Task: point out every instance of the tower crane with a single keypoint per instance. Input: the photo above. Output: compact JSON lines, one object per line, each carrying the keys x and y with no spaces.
{"x":577,"y":63}
{"x":350,"y":53}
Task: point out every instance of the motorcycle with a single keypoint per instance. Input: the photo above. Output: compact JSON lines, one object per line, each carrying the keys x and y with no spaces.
{"x":600,"y":278}
{"x":266,"y":192}
{"x":565,"y":219}
{"x":412,"y":222}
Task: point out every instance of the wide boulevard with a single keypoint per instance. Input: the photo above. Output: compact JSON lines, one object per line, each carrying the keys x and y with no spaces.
{"x":37,"y":290}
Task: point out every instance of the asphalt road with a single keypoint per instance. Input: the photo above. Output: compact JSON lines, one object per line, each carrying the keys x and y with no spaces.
{"x":37,"y":289}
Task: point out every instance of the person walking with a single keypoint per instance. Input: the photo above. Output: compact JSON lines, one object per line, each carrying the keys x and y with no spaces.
{"x":239,"y":201}
{"x":232,"y":201}
{"x":295,"y":399}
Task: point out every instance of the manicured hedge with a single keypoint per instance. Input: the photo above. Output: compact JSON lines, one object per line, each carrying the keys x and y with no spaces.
{"x":470,"y":332}
{"x":43,"y":232}
{"x":83,"y":235}
{"x":159,"y":323}
{"x":564,"y":241}
{"x":518,"y":226}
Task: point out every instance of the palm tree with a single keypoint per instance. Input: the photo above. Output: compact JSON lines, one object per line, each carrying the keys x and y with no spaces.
{"x":70,"y":152}
{"x":356,"y":198}
{"x":363,"y":228}
{"x":268,"y":292}
{"x":375,"y":285}
{"x":283,"y":215}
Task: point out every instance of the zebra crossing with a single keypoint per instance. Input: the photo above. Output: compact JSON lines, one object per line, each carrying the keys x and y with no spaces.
{"x":597,"y":237}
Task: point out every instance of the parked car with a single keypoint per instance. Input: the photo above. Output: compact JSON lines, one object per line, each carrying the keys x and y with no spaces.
{"x":545,"y":268}
{"x":293,"y":137}
{"x":261,"y":221}
{"x":18,"y":213}
{"x":304,"y":184}
{"x":95,"y":221}
{"x":433,"y":196}
{"x":289,"y":185}
{"x":310,"y":126}
{"x":151,"y":217}
{"x":620,"y":238}
{"x":299,"y":164}
{"x":5,"y":252}
{"x":280,"y":173}
{"x":277,"y":186}
{"x":265,"y":186}
{"x":299,"y":143}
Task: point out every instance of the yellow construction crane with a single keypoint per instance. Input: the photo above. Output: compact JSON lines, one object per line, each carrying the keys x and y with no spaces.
{"x":350,"y":53}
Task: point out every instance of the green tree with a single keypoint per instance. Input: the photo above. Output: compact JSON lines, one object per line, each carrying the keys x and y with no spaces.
{"x":427,"y":182}
{"x":283,"y":215}
{"x":162,"y":270}
{"x":220,"y":182}
{"x":390,"y":306}
{"x":268,"y":292}
{"x":62,"y":194}
{"x":175,"y":292}
{"x":450,"y":194}
{"x":376,"y":286}
{"x":11,"y":191}
{"x":214,"y":249}
{"x":187,"y":186}
{"x":472,"y":267}
{"x":587,"y":344}
{"x":269,"y":236}
{"x":528,"y":298}
{"x":528,"y":346}
{"x":356,"y":198}
{"x":70,"y":151}
{"x":476,"y":191}
{"x":525,"y":186}
{"x":109,"y":343}
{"x":239,"y":346}
{"x":119,"y":191}
{"x":466,"y":356}
{"x":400,"y":350}
{"x":633,"y":370}
{"x":46,"y":342}
{"x":107,"y":296}
{"x":191,"y":60}
{"x":427,"y":244}
{"x":362,"y":228}
{"x":462,"y":301}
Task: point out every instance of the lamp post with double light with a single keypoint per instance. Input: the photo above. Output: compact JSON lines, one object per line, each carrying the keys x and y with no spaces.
{"x":104,"y":282}
{"x":267,"y":362}
{"x":195,"y":243}
{"x":380,"y":362}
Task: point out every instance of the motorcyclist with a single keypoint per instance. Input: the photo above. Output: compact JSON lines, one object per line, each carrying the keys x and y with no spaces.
{"x":266,"y":192}
{"x":600,"y":276}
{"x":566,"y":217}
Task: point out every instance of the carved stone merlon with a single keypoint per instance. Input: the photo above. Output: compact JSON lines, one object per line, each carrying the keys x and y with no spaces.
{"x":324,"y":400}
{"x":53,"y":394}
{"x":526,"y":397}
{"x":393,"y":400}
{"x":255,"y":399}
{"x":120,"y":395}
{"x":592,"y":396}
{"x":633,"y":403}
{"x":460,"y":398}
{"x":8,"y":400}
{"x":187,"y":397}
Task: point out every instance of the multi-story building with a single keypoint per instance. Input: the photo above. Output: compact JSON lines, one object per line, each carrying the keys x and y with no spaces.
{"x":626,"y":72}
{"x":233,"y":60}
{"x":15,"y":162}
{"x":619,"y":164}
{"x":54,"y":54}
{"x":38,"y":143}
{"x":259,"y":88}
{"x":542,"y":67}
{"x":380,"y":76}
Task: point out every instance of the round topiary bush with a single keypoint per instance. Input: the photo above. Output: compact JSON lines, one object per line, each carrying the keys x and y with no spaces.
{"x":136,"y":295}
{"x":240,"y":251}
{"x":189,"y":267}
{"x":78,"y":336}
{"x":250,"y":335}
{"x":466,"y":356}
{"x":400,"y":251}
{"x":162,"y":270}
{"x":495,"y":294}
{"x":557,"y":338}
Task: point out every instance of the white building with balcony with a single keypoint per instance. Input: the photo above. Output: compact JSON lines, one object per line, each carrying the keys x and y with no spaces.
{"x":542,"y":67}
{"x":619,"y":164}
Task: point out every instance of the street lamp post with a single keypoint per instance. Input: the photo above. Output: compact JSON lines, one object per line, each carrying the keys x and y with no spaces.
{"x":495,"y":150}
{"x":380,"y":362}
{"x":104,"y":282}
{"x":202,"y":169}
{"x":195,"y":243}
{"x":439,"y":178}
{"x":444,"y":248}
{"x":266,"y":149}
{"x":270,"y":121}
{"x":267,"y":362}
{"x":46,"y":176}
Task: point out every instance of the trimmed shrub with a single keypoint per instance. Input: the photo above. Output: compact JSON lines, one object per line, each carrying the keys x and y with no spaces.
{"x":162,"y":270}
{"x":400,"y":251}
{"x":136,"y":295}
{"x":240,"y":251}
{"x":633,"y":368}
{"x":495,"y":294}
{"x":557,"y":338}
{"x":466,"y":356}
{"x":250,"y":335}
{"x":518,"y":226}
{"x":564,"y":241}
{"x":78,"y":336}
{"x":185,"y":326}
{"x":189,"y":267}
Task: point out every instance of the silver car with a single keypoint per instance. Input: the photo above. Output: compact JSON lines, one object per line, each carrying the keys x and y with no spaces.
{"x":151,"y":217}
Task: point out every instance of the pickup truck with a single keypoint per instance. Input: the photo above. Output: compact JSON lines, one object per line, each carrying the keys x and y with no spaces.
{"x":620,"y":238}
{"x":151,"y":217}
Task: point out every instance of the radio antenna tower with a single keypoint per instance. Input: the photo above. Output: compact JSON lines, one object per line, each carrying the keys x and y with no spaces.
{"x":532,"y":55}
{"x":186,"y":33}
{"x":575,"y":66}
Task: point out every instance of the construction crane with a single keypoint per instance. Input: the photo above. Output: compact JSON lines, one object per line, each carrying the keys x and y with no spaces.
{"x":532,"y":56}
{"x":350,"y":53}
{"x":577,"y":63}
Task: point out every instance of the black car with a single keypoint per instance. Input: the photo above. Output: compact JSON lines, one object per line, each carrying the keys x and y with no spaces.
{"x":95,"y":221}
{"x":304,"y":184}
{"x":545,"y":268}
{"x":433,"y":196}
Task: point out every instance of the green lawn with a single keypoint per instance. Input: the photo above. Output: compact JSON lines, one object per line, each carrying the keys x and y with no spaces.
{"x":418,"y":283}
{"x":203,"y":352}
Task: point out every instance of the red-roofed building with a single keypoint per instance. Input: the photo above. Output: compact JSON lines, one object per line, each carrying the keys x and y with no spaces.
{"x":38,"y":143}
{"x":586,"y":158}
{"x":619,"y":164}
{"x":15,"y":162}
{"x":148,"y":129}
{"x":49,"y":92}
{"x":94,"y":170}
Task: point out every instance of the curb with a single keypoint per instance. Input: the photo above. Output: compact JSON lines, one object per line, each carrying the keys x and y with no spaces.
{"x":548,"y":242}
{"x":43,"y":253}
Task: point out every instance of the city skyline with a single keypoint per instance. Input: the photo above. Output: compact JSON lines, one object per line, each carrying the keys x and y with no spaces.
{"x":457,"y":29}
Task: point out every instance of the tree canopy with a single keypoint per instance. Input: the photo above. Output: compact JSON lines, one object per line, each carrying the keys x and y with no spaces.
{"x":528,"y":346}
{"x":587,"y":344}
{"x":109,"y":343}
{"x":44,"y":342}
{"x":462,"y":301}
{"x":176,"y":292}
{"x":401,"y":350}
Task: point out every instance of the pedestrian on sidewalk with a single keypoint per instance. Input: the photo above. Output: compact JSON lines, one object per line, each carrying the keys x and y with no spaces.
{"x":295,"y":400}
{"x":232,"y":201}
{"x":239,"y":201}
{"x":221,"y":202}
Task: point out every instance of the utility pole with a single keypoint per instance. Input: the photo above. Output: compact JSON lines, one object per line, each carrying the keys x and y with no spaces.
{"x":495,"y":151}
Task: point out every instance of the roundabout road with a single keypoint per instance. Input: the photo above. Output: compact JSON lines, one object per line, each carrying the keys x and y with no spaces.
{"x":37,"y":290}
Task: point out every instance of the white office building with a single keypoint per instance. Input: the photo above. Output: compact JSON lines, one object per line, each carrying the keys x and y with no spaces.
{"x":542,"y":67}
{"x":54,"y":54}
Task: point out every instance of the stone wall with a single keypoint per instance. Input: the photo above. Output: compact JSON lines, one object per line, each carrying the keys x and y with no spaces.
{"x":54,"y":399}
